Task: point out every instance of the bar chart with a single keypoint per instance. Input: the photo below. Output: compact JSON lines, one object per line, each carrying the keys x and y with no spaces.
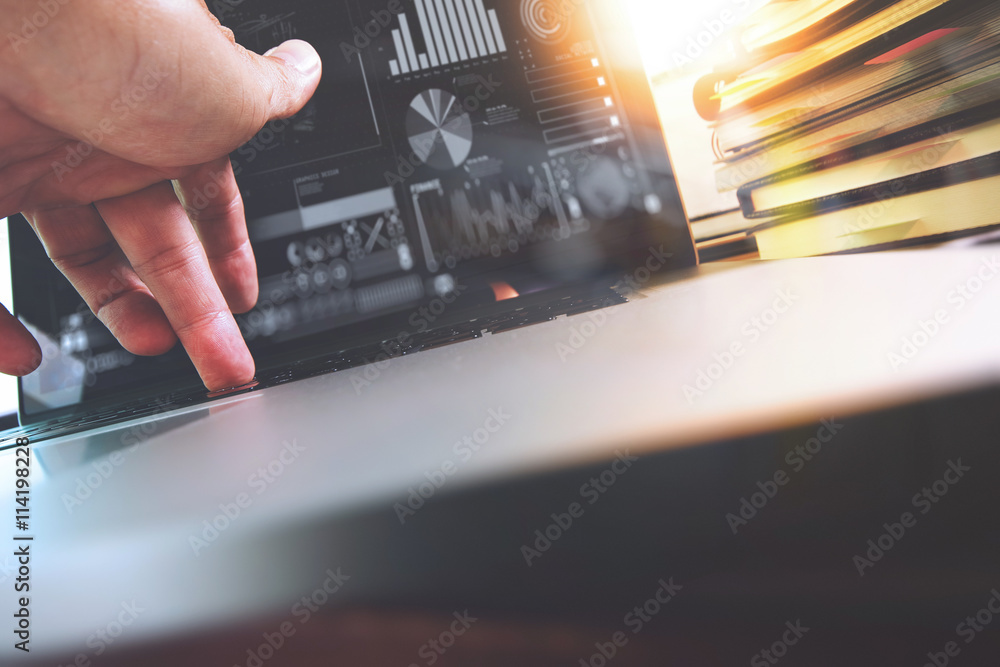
{"x":454,"y":31}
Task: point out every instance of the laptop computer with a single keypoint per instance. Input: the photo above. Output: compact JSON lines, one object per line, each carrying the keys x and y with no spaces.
{"x":466,"y":167}
{"x":129,"y":517}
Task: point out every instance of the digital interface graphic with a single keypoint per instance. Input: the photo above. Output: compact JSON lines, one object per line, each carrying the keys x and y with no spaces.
{"x":439,"y":130}
{"x":467,"y":131}
{"x":545,"y":20}
{"x":451,"y":145}
{"x":453,"y":31}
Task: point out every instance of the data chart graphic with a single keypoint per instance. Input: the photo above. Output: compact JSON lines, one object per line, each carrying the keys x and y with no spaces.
{"x":546,"y":20}
{"x":439,"y":129}
{"x":454,"y":31}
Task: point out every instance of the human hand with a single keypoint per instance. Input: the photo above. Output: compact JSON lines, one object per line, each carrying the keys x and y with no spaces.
{"x":101,"y":107}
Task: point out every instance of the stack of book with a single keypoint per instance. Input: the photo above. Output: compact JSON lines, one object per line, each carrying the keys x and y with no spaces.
{"x":850,"y":124}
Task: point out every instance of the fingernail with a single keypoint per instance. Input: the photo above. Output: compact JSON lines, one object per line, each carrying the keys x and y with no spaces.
{"x":298,"y":54}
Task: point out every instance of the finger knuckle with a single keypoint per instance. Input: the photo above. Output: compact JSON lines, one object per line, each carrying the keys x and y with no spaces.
{"x":180,"y":258}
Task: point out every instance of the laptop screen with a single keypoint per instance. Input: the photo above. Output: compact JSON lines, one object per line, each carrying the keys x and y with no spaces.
{"x":8,"y":385}
{"x":457,"y":153}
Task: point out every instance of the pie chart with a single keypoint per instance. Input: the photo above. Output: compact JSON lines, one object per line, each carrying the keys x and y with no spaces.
{"x":439,"y":129}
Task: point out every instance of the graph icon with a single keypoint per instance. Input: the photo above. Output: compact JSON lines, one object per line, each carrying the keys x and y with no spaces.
{"x":439,"y":130}
{"x":546,"y":20}
{"x":492,"y":218}
{"x":454,"y":31}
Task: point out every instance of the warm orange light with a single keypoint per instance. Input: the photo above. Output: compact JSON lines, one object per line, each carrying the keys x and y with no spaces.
{"x":676,"y":33}
{"x":503,"y":291}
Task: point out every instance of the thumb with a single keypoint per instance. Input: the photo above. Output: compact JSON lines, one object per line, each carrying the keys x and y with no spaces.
{"x":213,"y":110}
{"x":287,"y":76}
{"x":188,"y":96}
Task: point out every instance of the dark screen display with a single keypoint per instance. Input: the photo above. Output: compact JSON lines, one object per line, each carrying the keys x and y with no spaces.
{"x":455,"y":150}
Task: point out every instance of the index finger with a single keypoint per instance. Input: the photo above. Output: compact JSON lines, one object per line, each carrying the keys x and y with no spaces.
{"x":214,"y":206}
{"x":154,"y":232}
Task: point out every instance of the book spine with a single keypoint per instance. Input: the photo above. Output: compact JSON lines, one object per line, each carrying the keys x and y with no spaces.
{"x":942,"y":15}
{"x":733,"y":174}
{"x":831,"y":25}
{"x":896,"y":140}
{"x":811,"y":122}
{"x":960,"y":172}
